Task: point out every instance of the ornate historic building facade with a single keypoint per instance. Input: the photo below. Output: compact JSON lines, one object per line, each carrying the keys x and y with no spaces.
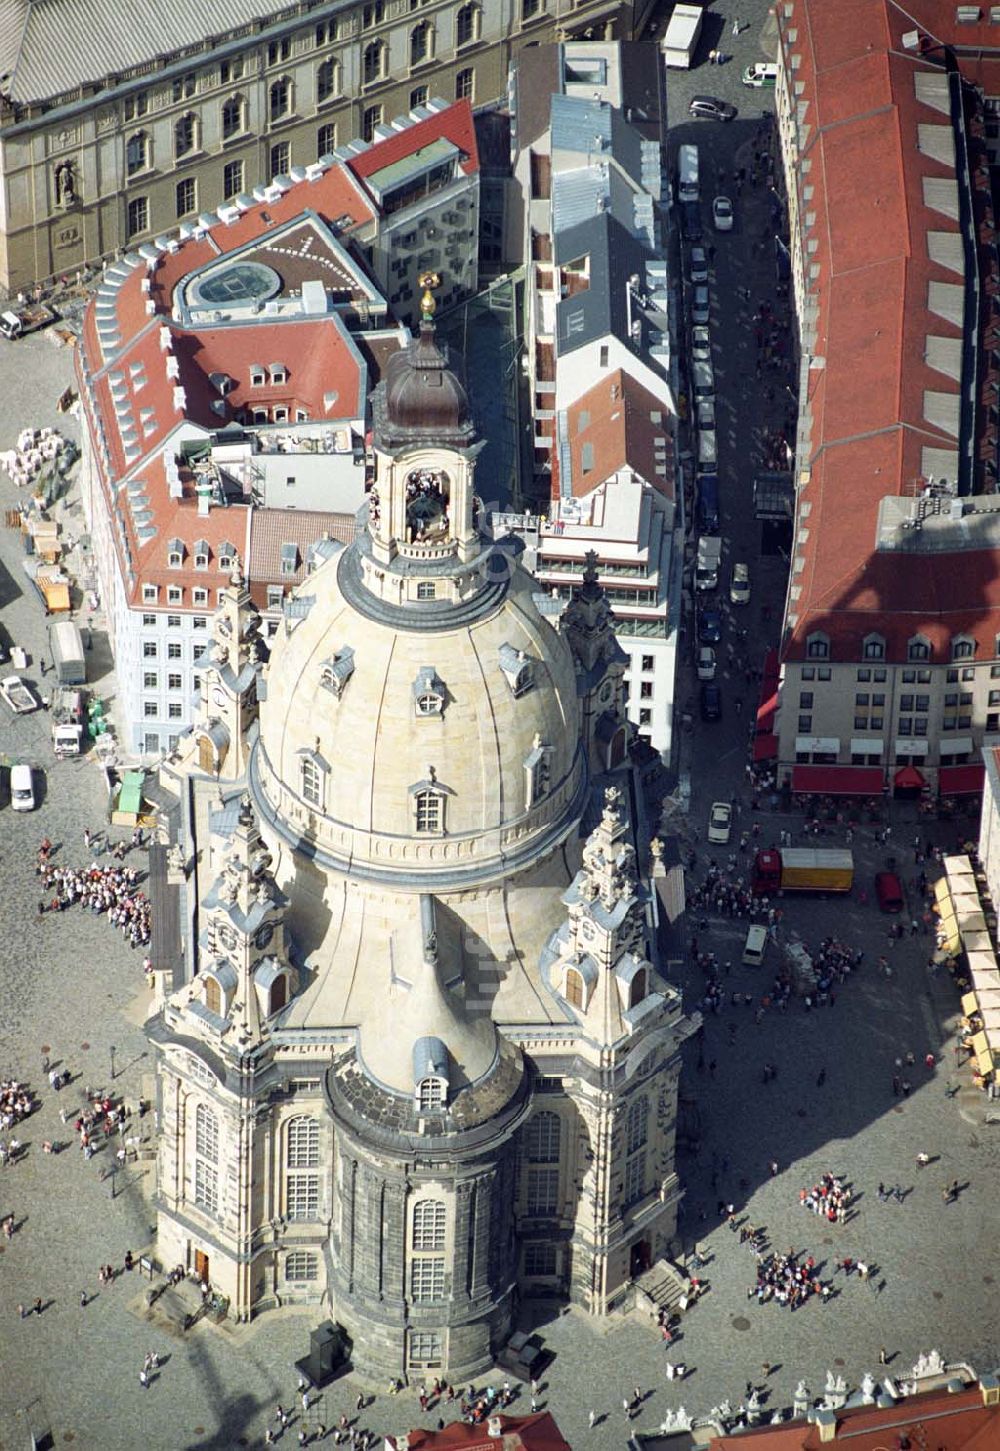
{"x":111,"y":133}
{"x":418,"y":1058}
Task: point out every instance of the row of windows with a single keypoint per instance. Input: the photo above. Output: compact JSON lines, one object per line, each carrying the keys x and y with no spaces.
{"x":468,"y":29}
{"x":175,"y":680}
{"x":963,"y":647}
{"x":865,"y":674}
{"x":149,"y":647}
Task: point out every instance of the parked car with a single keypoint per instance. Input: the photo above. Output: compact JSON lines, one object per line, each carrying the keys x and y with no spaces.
{"x":710,"y":108}
{"x":701,"y":344}
{"x":705,"y":413}
{"x":698,"y":265}
{"x":22,"y":788}
{"x":739,"y":584}
{"x":691,"y":220}
{"x":889,"y":891}
{"x":763,"y":73}
{"x":711,"y":701}
{"x":722,"y":214}
{"x":706,"y":662}
{"x":700,"y":304}
{"x":720,"y":822}
{"x":709,"y":627}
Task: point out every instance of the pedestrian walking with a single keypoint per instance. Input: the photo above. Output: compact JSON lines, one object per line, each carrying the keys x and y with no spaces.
{"x":627,"y":1408}
{"x":37,"y":1307}
{"x":144,"y":1380}
{"x":821,"y":1078}
{"x":592,"y":1419}
{"x":883,"y":1358}
{"x":736,"y":25}
{"x":83,"y":1299}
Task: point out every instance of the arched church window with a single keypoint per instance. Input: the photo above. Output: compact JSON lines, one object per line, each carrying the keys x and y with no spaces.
{"x":213,"y":995}
{"x":638,"y":989}
{"x":206,"y":1133}
{"x":574,"y":987}
{"x":427,"y":496}
{"x":301,"y":1154}
{"x":543,"y":1138}
{"x":206,"y":1152}
{"x":278,"y":995}
{"x":429,"y":1220}
{"x":637,"y":1125}
{"x":302,"y":1144}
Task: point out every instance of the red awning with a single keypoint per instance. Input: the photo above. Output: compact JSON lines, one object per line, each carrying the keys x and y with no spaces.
{"x":908,"y":778}
{"x":961,"y":780}
{"x":765,"y":747}
{"x":766,"y":712}
{"x":771,"y":671}
{"x":838,"y":780}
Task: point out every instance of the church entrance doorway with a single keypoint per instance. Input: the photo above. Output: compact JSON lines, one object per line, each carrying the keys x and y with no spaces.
{"x":201,"y":1266}
{"x":640,"y":1259}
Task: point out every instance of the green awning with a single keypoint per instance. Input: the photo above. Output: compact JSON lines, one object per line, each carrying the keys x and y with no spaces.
{"x":130,"y":793}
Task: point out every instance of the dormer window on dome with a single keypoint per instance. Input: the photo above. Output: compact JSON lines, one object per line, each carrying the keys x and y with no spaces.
{"x":429,"y":798}
{"x":337,"y":671}
{"x":430,"y":1073}
{"x":428,"y":692}
{"x":517,"y":668}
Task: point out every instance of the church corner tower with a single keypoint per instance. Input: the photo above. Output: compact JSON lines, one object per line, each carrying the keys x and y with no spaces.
{"x":418,"y":1060}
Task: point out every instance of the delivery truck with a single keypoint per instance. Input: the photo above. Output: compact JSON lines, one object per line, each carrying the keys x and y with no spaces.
{"x":802,"y":869}
{"x":67,"y":722}
{"x":68,"y":658}
{"x":680,"y":40}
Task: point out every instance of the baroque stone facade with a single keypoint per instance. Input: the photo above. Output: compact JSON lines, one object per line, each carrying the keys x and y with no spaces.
{"x":91,"y":163}
{"x":418,"y":1060}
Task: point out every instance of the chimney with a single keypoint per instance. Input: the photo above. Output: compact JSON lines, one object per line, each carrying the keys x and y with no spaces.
{"x":989,"y":1385}
{"x":493,"y":1427}
{"x":826,"y":1422}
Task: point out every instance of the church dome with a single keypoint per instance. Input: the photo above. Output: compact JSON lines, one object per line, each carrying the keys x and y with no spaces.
{"x":426,"y":757}
{"x":423,"y":397}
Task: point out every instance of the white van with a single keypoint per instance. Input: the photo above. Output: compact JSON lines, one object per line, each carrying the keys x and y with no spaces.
{"x":755,"y":946}
{"x":22,"y":788}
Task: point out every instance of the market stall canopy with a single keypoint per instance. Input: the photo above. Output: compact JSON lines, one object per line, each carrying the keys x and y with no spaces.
{"x":970,"y":1004}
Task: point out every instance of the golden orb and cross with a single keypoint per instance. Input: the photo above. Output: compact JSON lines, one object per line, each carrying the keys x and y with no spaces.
{"x":428,"y":303}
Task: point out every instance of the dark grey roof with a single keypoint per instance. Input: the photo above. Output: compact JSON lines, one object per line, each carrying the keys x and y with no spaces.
{"x":614,"y":257}
{"x":430,"y":1059}
{"x":535,"y":77}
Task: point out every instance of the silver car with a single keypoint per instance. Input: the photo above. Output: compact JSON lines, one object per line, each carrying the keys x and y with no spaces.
{"x":700,"y":304}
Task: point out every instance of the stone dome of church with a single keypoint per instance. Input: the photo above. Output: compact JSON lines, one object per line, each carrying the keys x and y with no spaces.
{"x":422,"y":395}
{"x":452,"y":750}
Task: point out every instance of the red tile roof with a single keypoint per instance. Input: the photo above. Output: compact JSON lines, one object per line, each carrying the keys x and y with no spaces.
{"x":960,"y":1422}
{"x":868,"y":228}
{"x":616,"y":418}
{"x":453,"y":124}
{"x":517,"y":1433}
